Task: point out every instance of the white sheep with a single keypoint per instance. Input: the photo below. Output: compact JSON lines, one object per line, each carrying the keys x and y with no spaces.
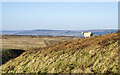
{"x":89,"y":34}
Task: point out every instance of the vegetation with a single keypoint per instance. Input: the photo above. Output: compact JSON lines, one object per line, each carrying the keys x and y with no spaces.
{"x":26,"y":42}
{"x":98,"y":54}
{"x":8,"y":54}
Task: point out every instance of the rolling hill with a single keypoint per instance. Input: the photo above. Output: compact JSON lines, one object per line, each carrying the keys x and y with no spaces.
{"x":45,"y":32}
{"x":98,"y":54}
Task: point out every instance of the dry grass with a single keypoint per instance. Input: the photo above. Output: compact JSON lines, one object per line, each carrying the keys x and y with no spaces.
{"x":101,"y":41}
{"x":91,"y":55}
{"x":9,"y":54}
{"x":30,"y":42}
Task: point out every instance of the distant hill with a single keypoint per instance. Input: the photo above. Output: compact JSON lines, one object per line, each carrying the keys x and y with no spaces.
{"x":98,"y":54}
{"x":76,"y":33}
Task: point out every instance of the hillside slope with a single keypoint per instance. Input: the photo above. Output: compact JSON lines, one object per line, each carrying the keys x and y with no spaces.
{"x":91,"y":55}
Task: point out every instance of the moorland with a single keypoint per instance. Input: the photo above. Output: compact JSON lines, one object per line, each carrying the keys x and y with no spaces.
{"x":98,"y":54}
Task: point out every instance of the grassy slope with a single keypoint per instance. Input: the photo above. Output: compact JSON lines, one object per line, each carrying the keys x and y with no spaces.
{"x":8,"y":54}
{"x":91,"y":55}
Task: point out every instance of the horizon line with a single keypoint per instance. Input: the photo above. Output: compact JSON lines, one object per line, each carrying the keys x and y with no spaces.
{"x":64,"y":29}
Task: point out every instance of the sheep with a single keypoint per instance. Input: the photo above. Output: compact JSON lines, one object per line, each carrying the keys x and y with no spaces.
{"x":89,"y":34}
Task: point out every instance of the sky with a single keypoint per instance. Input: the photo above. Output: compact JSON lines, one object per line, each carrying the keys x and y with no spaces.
{"x":59,"y":15}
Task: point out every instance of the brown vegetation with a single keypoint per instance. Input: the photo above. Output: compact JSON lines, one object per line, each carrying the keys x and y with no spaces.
{"x":26,"y":42}
{"x":102,"y":41}
{"x":98,"y":54}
